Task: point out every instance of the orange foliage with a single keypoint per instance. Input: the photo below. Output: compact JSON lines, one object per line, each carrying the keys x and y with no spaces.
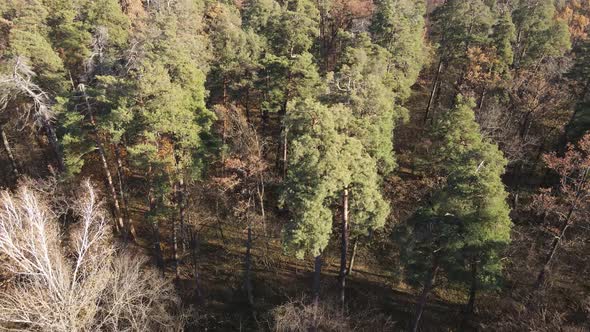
{"x":481,"y":65}
{"x":577,"y":16}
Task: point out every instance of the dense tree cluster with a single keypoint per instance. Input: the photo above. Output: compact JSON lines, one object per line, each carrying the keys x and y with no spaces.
{"x":443,"y":145}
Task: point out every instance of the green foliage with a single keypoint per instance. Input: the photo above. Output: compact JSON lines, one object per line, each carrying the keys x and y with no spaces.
{"x":324,"y":161}
{"x":236,"y":53}
{"x":398,"y":26}
{"x":28,"y":37}
{"x":504,"y":36}
{"x":469,"y":217}
{"x":361,"y":83}
{"x":460,"y":24}
{"x":539,"y":34}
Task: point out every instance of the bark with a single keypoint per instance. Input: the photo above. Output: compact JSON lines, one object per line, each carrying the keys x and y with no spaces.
{"x":123,"y":193}
{"x":316,"y":289}
{"x":260,"y":191}
{"x":181,"y":196}
{"x":157,"y":247}
{"x":53,"y":143}
{"x":248,"y":266}
{"x":344,"y":247}
{"x":428,"y":283}
{"x":482,"y":99}
{"x":119,"y":223}
{"x":285,"y":142}
{"x":6,"y":145}
{"x":352,"y":257}
{"x":433,"y":90}
{"x":194,"y":245}
{"x":556,"y":242}
{"x":472,"y":291}
{"x":282,"y":147}
{"x":175,"y":244}
{"x":553,"y":250}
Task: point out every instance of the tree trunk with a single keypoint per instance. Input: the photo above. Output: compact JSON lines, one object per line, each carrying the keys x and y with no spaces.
{"x":472,"y":291}
{"x":155,"y":225}
{"x":158,"y":247}
{"x":281,"y":156}
{"x":433,"y":90}
{"x":352,"y":257}
{"x":194,"y":246}
{"x":175,"y":243}
{"x":52,"y":138}
{"x":123,"y":193}
{"x":344,"y":248}
{"x":316,"y":289}
{"x":6,"y":145}
{"x":285,"y":142}
{"x":260,"y":192}
{"x":119,"y":224}
{"x":482,"y":99}
{"x":428,"y":282}
{"x":182,"y":212}
{"x":553,"y":250}
{"x":248,"y":266}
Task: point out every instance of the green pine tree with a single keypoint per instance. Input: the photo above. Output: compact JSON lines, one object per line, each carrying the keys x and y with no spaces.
{"x":469,"y":217}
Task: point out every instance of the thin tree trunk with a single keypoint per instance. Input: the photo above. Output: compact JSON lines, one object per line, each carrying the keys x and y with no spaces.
{"x":194,"y":245}
{"x":123,"y":192}
{"x":175,"y":243}
{"x":248,"y":265}
{"x":52,"y":138}
{"x":6,"y":145}
{"x":482,"y":98}
{"x":352,"y":257}
{"x":260,"y":190}
{"x":158,"y":247}
{"x":316,"y":289}
{"x":155,"y":225}
{"x":470,"y":307}
{"x":182,"y":212}
{"x":344,"y":248}
{"x":285,"y":142}
{"x":282,"y":146}
{"x":119,"y":224}
{"x":433,"y":90}
{"x":553,"y":250}
{"x":428,"y":283}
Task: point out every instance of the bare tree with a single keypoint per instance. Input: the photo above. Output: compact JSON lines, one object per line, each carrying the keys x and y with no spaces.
{"x":242,"y":185}
{"x":78,"y":282}
{"x":20,"y":83}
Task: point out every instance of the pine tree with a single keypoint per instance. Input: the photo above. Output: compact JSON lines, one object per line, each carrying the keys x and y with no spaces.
{"x":327,"y":166}
{"x":362,"y":85}
{"x":455,"y":30}
{"x":33,"y":68}
{"x":538,"y":33}
{"x":171,"y":119}
{"x":398,"y":26}
{"x":462,"y":234}
{"x":289,"y":71}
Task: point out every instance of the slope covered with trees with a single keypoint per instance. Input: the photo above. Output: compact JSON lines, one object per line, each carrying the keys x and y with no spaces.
{"x":294,"y":165}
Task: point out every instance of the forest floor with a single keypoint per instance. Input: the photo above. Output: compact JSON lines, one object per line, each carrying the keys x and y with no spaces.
{"x":279,"y":279}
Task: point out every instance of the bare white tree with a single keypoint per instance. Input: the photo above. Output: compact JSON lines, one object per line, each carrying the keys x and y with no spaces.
{"x":76,"y":281}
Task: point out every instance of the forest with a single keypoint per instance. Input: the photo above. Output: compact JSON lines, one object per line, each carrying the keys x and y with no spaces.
{"x":294,"y":165}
